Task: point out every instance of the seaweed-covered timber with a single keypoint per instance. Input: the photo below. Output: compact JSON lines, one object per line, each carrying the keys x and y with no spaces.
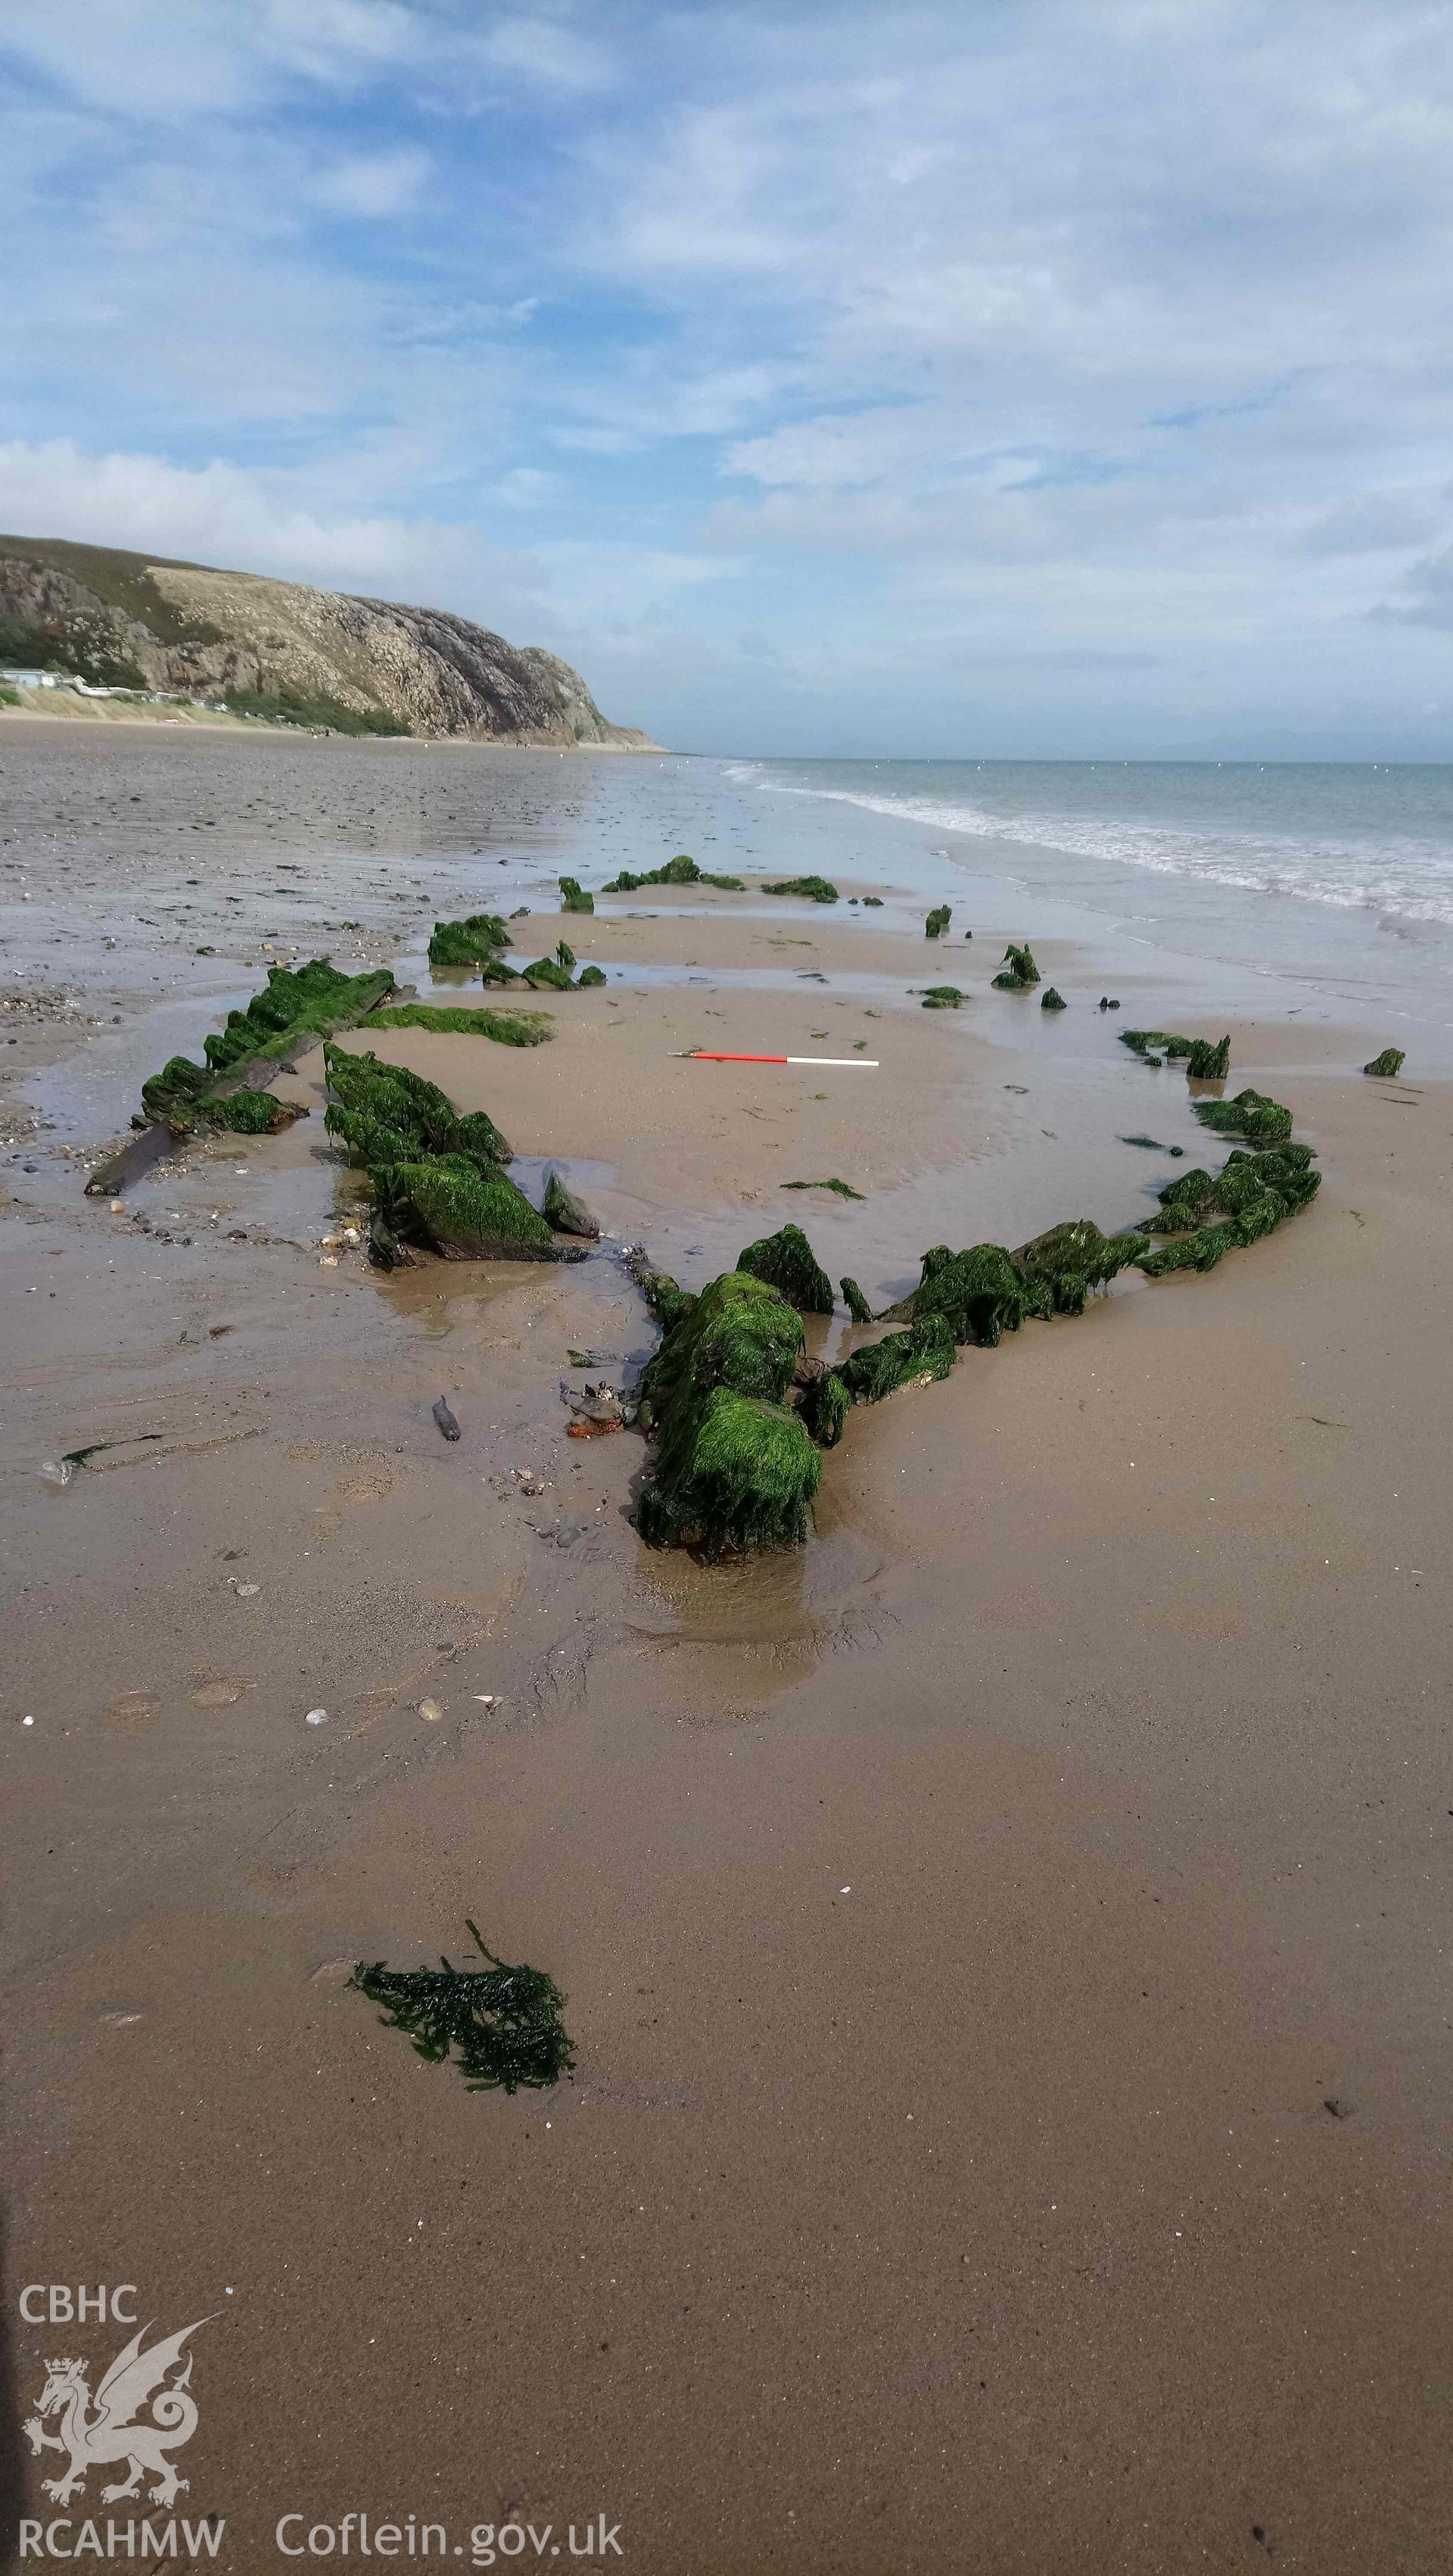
{"x":472,"y":942}
{"x":565,"y":1211}
{"x":813,"y":889}
{"x":1244,"y":1180}
{"x":1205,"y":1060}
{"x":1391,"y":1061}
{"x":1074,"y":1258}
{"x":987,"y":1291}
{"x":507,"y":1028}
{"x":732,"y":1467}
{"x":502,"y":2023}
{"x":677,"y":871}
{"x":937,"y":921}
{"x":438,"y":1179}
{"x":855,"y":1302}
{"x":942,"y":997}
{"x":915,"y":1357}
{"x":576,"y":898}
{"x":253,"y":1113}
{"x":1251,"y":1114}
{"x":452,"y":1205}
{"x":556,"y":974}
{"x":1018,"y":971}
{"x":788,"y":1263}
{"x":384,"y":1113}
{"x":294,"y":1009}
{"x":1052,"y":999}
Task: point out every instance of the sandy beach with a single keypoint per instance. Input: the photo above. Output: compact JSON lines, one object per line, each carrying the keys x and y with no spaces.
{"x":1004,"y":1941}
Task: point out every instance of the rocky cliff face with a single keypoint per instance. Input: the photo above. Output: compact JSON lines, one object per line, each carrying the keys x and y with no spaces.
{"x":140,"y":620}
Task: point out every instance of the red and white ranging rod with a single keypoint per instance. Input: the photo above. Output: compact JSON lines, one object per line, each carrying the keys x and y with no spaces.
{"x":709,"y":1055}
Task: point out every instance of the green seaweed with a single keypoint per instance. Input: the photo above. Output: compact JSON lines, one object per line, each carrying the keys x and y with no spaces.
{"x":588,"y":976}
{"x":980,"y":1293}
{"x":855,"y":1302}
{"x":1251,"y":1114}
{"x":1208,"y":1063}
{"x":666,"y":1299}
{"x":565,"y":955}
{"x":548,"y":971}
{"x":173,"y":1093}
{"x":1200,"y":1251}
{"x":813,"y":889}
{"x":737,"y":1473}
{"x":502,"y":2023}
{"x":507,"y":1028}
{"x":825,"y":1407}
{"x":564,"y":1210}
{"x":1072,"y":1259}
{"x":937,"y":922}
{"x":942,"y":997}
{"x":1205,"y":1060}
{"x":576,"y":898}
{"x":740,"y":1332}
{"x":842,"y":1188}
{"x":909,"y":1358}
{"x":377,"y":1103}
{"x":1245,"y":1178}
{"x":732,"y":1468}
{"x":1018,"y":971}
{"x":252,"y":1113}
{"x":677,"y":871}
{"x":293,"y":1007}
{"x":462,"y":1210}
{"x":1052,"y":999}
{"x":787,"y":1262}
{"x":1391,"y":1061}
{"x":471,"y":942}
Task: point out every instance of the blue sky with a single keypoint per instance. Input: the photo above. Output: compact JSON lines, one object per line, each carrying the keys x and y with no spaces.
{"x":1051,"y":379}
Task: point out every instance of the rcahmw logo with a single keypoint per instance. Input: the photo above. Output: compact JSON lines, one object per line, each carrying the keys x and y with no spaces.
{"x":142,"y":2410}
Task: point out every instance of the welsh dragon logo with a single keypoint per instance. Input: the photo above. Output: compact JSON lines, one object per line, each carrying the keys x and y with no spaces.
{"x":135,"y":2380}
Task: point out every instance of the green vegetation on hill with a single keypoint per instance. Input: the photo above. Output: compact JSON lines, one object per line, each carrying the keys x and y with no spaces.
{"x":289,"y":707}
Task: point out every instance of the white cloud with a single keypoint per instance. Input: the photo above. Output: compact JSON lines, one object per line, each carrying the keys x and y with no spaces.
{"x":551,"y":55}
{"x":373,"y":184}
{"x":525,"y":487}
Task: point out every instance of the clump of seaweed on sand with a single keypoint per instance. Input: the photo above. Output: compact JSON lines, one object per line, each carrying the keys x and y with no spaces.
{"x":788,"y":1263}
{"x":575,"y":898}
{"x":1206,"y":1060}
{"x":733,"y":1467}
{"x":1391,"y":1061}
{"x":507,"y":1028}
{"x":811,"y":889}
{"x":438,"y":1180}
{"x":1018,"y":972}
{"x":502,"y":2024}
{"x":678,"y":871}
{"x":478,"y":941}
{"x":1251,"y":1114}
{"x":937,"y":921}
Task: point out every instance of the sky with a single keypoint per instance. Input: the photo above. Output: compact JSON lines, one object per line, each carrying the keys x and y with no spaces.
{"x":1068,"y":379}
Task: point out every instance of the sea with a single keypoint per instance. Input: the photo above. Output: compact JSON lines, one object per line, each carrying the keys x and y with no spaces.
{"x":1329,"y":881}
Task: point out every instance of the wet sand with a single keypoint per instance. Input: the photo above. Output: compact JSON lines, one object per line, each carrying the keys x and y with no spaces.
{"x":966,"y":1922}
